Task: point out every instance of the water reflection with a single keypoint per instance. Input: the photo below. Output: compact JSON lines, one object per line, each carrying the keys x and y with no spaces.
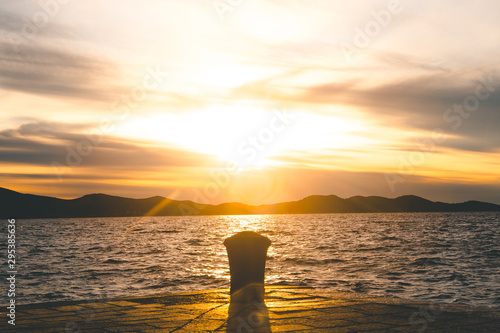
{"x":238,"y":223}
{"x":385,"y":254}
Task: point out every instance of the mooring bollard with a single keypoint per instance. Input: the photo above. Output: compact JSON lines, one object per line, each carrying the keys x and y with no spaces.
{"x":247,"y":253}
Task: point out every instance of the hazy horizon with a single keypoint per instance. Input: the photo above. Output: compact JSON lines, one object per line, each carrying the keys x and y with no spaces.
{"x":266,"y":203}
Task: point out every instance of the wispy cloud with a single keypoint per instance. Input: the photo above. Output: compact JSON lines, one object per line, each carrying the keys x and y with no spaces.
{"x":418,"y":102}
{"x":51,"y":62}
{"x":43,"y":143}
{"x":37,"y":69}
{"x":423,"y":103}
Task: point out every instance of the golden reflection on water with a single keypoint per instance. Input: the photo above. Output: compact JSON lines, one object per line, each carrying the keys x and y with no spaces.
{"x":261,"y":224}
{"x":238,"y":223}
{"x":386,"y":254}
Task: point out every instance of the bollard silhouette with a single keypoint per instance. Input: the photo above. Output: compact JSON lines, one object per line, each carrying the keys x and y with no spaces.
{"x":247,"y":252}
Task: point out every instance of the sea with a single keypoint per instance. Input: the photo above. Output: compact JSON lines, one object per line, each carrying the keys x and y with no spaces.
{"x":436,"y":257}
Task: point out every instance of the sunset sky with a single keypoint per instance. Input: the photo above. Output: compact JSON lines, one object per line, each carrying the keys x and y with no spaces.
{"x":256,"y":101}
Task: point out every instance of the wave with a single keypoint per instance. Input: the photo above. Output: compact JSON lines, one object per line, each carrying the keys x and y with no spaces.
{"x":168,"y":231}
{"x":36,"y":250}
{"x":378,"y":248}
{"x":143,"y":270}
{"x":358,"y":287}
{"x":43,"y":273}
{"x":288,"y":283}
{"x":492,"y":253}
{"x":195,"y":242}
{"x":115,"y":261}
{"x":428,"y":261}
{"x":275,"y":232}
{"x":314,"y":262}
{"x":392,"y":238}
{"x":154,"y":251}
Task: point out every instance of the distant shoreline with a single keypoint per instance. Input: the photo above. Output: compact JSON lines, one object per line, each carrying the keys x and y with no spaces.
{"x":250,"y":214}
{"x":28,"y":206}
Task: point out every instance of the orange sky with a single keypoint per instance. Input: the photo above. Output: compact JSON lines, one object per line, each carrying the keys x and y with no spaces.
{"x":252,"y":101}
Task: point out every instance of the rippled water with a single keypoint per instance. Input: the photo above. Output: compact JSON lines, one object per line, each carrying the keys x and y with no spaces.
{"x":447,"y":257}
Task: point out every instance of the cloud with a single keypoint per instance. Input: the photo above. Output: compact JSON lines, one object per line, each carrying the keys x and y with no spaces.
{"x":43,"y":143}
{"x":51,"y":62}
{"x":444,"y":101}
{"x":36,"y":69}
{"x":422,"y":102}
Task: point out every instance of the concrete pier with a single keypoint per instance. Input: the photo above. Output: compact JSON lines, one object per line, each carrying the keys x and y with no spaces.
{"x":286,"y":309}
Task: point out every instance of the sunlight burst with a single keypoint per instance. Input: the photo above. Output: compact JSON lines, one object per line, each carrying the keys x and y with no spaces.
{"x":246,"y":135}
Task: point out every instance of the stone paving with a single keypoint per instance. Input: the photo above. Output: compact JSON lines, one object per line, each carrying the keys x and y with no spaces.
{"x":286,"y":309}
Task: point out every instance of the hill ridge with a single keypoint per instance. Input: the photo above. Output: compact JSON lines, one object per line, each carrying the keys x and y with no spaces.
{"x":23,"y":205}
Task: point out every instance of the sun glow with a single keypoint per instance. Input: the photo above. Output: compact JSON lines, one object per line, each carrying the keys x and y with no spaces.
{"x":245,"y":135}
{"x":227,"y":75}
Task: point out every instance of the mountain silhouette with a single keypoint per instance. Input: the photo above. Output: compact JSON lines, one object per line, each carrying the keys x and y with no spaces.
{"x":18,"y":205}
